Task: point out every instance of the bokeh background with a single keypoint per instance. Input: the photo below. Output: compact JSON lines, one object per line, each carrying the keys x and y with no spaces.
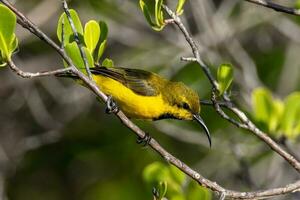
{"x":56,"y":143}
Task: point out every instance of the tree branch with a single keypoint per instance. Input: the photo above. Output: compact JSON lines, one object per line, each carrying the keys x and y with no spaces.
{"x":153,"y":143}
{"x":23,"y":74}
{"x":276,"y":7}
{"x":246,"y":124}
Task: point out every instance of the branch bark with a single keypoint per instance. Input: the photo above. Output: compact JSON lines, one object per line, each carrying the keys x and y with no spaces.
{"x":276,"y":7}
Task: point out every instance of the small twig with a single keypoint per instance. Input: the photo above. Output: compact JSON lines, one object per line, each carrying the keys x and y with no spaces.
{"x":76,"y":38}
{"x":192,"y":44}
{"x":36,"y":74}
{"x":276,"y":7}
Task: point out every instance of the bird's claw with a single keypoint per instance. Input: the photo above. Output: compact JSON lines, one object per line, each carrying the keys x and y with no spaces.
{"x":144,"y":140}
{"x":111,"y":106}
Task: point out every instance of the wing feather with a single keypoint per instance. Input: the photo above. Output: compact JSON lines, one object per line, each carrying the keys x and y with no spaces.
{"x":137,"y":80}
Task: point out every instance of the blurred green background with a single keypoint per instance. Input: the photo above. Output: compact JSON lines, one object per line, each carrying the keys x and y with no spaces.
{"x":56,"y":142}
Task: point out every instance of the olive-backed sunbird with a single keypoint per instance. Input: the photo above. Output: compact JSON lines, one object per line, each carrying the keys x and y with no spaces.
{"x":145,"y":95}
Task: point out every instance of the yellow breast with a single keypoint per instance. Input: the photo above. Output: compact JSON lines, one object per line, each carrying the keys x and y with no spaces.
{"x":132,"y":104}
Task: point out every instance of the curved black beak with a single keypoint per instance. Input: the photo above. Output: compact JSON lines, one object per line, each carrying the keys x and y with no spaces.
{"x":201,"y":122}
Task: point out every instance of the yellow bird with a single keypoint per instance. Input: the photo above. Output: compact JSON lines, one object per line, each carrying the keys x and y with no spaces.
{"x":145,"y":95}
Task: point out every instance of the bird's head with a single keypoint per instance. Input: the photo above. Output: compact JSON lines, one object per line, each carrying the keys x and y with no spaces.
{"x":184,"y":103}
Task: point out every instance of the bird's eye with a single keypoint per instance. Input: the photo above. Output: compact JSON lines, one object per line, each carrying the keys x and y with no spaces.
{"x":186,"y":106}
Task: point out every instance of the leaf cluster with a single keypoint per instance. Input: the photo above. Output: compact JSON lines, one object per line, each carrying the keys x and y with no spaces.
{"x":93,"y":36}
{"x":171,"y":183}
{"x":279,"y":117}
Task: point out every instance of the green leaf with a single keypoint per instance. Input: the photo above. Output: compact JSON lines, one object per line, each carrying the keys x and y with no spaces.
{"x":267,"y":110}
{"x":91,"y":35}
{"x":262,"y":104}
{"x":101,"y":50}
{"x":103,"y":40}
{"x":107,"y":63}
{"x":158,"y":13}
{"x":179,"y":8}
{"x":155,"y":172}
{"x":291,"y":116}
{"x":162,"y":189}
{"x":177,"y":175}
{"x":8,"y":22}
{"x":74,"y":53}
{"x":276,"y":116}
{"x":104,"y":31}
{"x":68,"y":32}
{"x":225,"y":77}
{"x":194,"y":191}
{"x":14,"y":44}
{"x":158,"y":24}
{"x":146,"y":12}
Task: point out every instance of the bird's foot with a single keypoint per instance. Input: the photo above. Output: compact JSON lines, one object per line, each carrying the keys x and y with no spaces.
{"x":144,"y":140}
{"x":111,"y":106}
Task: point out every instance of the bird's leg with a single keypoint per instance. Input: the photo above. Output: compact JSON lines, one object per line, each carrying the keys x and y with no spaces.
{"x":144,"y":140}
{"x":111,"y":106}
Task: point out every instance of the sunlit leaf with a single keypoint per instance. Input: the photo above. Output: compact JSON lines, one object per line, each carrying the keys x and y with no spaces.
{"x":8,"y":22}
{"x":158,"y":24}
{"x":177,"y":175}
{"x":74,"y":53}
{"x":14,"y":44}
{"x":101,"y":50}
{"x":225,"y":77}
{"x":155,"y":172}
{"x":146,"y":12}
{"x":68,"y":32}
{"x":291,"y":116}
{"x":158,"y":13}
{"x":179,"y":8}
{"x":267,"y":110}
{"x":107,"y":63}
{"x":91,"y":35}
{"x":162,"y":189}
{"x":194,"y":191}
{"x":262,"y":104}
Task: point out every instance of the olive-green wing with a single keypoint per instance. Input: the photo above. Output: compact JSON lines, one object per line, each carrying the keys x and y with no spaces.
{"x":139,"y":81}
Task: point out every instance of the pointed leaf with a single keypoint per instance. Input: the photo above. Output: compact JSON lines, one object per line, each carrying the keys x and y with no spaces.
{"x":91,"y":35}
{"x":104,"y":31}
{"x":225,"y":77}
{"x":177,"y":175}
{"x":101,"y":50}
{"x":146,"y":12}
{"x":262,"y":104}
{"x":74,"y":53}
{"x":8,"y":22}
{"x":162,"y":189}
{"x":68,"y":32}
{"x":107,"y":63}
{"x":14,"y":44}
{"x":179,"y":8}
{"x":158,"y":13}
{"x":290,"y":119}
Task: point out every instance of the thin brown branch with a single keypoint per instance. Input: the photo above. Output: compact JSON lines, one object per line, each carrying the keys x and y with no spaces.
{"x":153,"y":143}
{"x":276,"y":7}
{"x":36,"y":74}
